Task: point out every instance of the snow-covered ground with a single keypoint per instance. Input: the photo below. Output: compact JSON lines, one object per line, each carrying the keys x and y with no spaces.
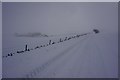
{"x":76,"y":58}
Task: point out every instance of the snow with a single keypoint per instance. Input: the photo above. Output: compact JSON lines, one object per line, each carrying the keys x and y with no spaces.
{"x":81,"y":57}
{"x":89,"y":56}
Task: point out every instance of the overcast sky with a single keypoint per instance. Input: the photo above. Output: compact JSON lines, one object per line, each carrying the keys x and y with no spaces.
{"x":57,"y":18}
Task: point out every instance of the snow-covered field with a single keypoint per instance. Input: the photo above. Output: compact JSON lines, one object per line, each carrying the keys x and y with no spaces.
{"x":76,"y":58}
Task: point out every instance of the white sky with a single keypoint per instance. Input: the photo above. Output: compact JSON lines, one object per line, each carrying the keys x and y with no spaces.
{"x":59,"y":18}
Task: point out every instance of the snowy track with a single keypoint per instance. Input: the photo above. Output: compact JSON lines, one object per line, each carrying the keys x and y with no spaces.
{"x":77,"y":58}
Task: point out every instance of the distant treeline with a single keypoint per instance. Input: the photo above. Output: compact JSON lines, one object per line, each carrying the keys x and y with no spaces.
{"x":26,"y":48}
{"x":31,"y":35}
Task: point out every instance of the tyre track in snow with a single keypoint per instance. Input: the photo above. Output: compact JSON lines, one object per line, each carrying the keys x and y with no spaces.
{"x":100,"y":56}
{"x":86,"y":62}
{"x":91,"y":64}
{"x":41,"y":69}
{"x":78,"y":64}
{"x":70,"y":69}
{"x":54,"y":69}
